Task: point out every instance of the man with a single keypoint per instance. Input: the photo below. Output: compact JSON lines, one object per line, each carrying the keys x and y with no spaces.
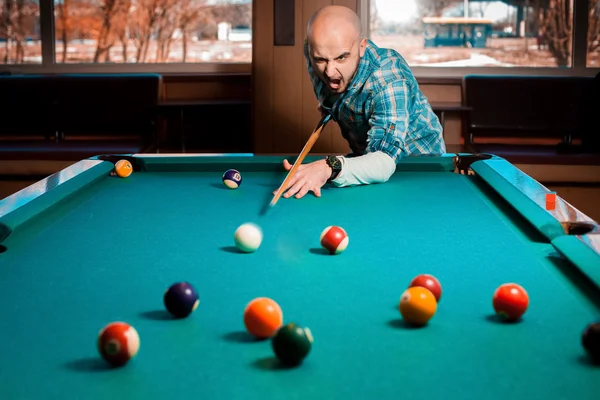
{"x":373,"y":96}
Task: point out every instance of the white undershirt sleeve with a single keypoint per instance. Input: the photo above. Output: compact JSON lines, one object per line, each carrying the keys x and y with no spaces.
{"x":375,"y":167}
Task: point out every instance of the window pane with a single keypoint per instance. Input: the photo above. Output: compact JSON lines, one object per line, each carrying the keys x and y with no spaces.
{"x":20,"y":41}
{"x":593,"y":42}
{"x":462,"y":33}
{"x":153,"y":31}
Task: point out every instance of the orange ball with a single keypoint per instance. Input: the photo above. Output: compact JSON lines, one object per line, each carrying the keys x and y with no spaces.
{"x":263,"y":317}
{"x":123,"y":168}
{"x":510,"y":301}
{"x":417,"y":305}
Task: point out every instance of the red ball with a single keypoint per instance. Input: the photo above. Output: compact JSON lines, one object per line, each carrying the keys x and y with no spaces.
{"x":510,"y":301}
{"x":334,"y":239}
{"x":118,"y":342}
{"x":429,"y":282}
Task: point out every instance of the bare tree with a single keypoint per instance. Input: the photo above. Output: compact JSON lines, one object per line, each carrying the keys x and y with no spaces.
{"x":6,"y":26}
{"x":16,"y":22}
{"x":434,"y":8}
{"x":188,"y":17}
{"x":558,"y":29}
{"x":142,"y":24}
{"x":166,"y":24}
{"x":593,"y":39}
{"x":113,"y":16}
{"x":63,"y":25}
{"x":236,"y":14}
{"x":19,"y":31}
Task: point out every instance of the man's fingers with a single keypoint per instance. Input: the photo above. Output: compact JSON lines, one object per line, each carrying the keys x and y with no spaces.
{"x":296,"y":176}
{"x":302,"y":182}
{"x":295,"y":188}
{"x":287,"y":165}
{"x":303,"y":191}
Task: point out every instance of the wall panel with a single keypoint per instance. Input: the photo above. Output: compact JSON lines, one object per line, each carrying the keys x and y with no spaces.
{"x":262,"y":75}
{"x":309,"y":101}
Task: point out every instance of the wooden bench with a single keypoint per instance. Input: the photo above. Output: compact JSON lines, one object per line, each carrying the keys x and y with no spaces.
{"x":547,"y":119}
{"x":73,"y":116}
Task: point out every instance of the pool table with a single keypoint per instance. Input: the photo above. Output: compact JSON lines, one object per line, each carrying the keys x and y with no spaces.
{"x":84,"y":247}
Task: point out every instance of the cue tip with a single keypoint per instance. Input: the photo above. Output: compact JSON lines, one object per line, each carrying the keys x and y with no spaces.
{"x":265,"y":209}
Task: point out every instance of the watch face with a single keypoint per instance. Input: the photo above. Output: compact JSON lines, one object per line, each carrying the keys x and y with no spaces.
{"x":334,"y":163}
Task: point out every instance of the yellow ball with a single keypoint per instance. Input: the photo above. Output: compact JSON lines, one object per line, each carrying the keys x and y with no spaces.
{"x":417,"y":305}
{"x":123,"y":168}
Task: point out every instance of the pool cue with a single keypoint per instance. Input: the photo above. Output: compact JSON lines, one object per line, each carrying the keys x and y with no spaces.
{"x":305,"y":150}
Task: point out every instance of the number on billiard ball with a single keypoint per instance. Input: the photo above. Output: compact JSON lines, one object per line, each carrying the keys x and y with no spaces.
{"x":510,"y":301}
{"x":181,"y":299}
{"x":123,"y":168}
{"x":590,"y":339}
{"x":232,"y":178}
{"x":291,"y":344}
{"x":417,"y":305}
{"x":118,"y":342}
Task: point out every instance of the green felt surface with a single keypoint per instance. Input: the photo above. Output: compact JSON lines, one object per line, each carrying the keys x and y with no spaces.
{"x":110,"y":250}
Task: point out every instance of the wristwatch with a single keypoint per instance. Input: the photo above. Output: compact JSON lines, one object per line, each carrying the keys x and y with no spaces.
{"x":336,"y":166}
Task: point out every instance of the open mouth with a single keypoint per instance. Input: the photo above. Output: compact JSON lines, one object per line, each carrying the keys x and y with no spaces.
{"x":335,"y":83}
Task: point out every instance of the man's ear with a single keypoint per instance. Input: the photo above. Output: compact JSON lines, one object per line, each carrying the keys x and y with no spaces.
{"x":363,"y":46}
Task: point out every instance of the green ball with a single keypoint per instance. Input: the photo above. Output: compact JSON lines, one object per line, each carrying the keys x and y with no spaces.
{"x":291,"y":344}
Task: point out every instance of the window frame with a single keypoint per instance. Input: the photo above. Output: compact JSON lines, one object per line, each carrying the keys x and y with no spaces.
{"x":579,"y":56}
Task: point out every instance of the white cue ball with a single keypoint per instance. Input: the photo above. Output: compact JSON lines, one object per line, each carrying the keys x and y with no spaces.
{"x":248,"y":237}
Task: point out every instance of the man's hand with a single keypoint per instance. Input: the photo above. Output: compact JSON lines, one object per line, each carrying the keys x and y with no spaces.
{"x":308,"y":177}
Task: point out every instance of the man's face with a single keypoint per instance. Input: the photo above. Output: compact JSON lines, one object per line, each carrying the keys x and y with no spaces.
{"x":335,"y":59}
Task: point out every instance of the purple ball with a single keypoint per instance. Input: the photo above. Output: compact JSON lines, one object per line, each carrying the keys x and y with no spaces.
{"x":232,"y":178}
{"x":181,"y":299}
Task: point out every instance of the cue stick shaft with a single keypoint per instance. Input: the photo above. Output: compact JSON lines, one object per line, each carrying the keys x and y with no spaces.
{"x":305,"y":150}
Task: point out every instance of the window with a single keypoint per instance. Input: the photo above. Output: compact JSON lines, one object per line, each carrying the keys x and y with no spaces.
{"x":20,"y":41}
{"x":153,"y":31}
{"x":593,"y":37}
{"x":128,"y":32}
{"x":462,"y":33}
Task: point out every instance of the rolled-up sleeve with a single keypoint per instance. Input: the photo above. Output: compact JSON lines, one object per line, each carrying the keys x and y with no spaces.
{"x":389,"y":120}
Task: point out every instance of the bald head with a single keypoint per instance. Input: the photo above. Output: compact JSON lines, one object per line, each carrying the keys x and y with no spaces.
{"x":334,"y":20}
{"x":335,"y":45}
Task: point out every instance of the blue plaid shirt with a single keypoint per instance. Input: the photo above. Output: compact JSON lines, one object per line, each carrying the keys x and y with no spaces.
{"x":383,"y":108}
